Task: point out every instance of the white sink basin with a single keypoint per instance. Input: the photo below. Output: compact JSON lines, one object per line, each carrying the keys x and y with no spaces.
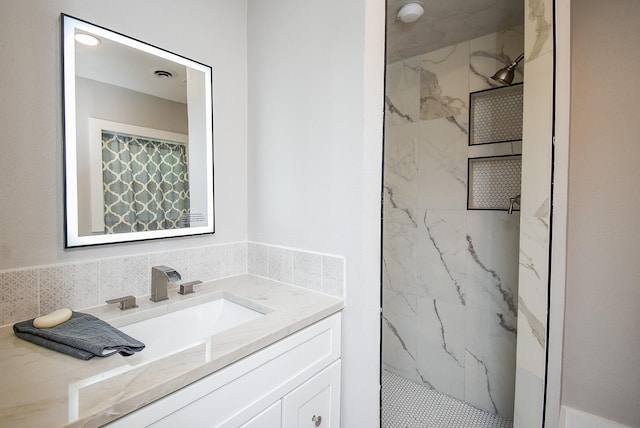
{"x":170,"y":333}
{"x":176,"y":331}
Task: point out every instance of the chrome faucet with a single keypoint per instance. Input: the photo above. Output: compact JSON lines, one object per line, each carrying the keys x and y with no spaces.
{"x":513,"y":201}
{"x":161,"y":277}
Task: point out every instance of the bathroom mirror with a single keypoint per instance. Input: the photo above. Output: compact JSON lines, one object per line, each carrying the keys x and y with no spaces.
{"x":138,"y":139}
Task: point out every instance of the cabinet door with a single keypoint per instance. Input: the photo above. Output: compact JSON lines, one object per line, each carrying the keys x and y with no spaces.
{"x":271,"y":417}
{"x":316,"y":403}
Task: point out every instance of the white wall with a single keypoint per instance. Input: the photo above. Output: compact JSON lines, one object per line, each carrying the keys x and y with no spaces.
{"x":315,"y":148}
{"x":31,"y":207}
{"x":601,"y":362}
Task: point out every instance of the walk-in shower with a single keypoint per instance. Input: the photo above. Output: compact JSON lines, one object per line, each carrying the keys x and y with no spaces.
{"x":450,"y":270}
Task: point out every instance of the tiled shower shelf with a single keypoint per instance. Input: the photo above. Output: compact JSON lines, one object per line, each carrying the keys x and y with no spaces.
{"x":495,"y":115}
{"x":493,"y":181}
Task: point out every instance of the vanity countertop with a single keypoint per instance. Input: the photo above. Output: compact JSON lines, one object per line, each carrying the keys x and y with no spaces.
{"x":43,"y":388}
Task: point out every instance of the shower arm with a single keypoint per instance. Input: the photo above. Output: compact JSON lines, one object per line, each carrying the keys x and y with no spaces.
{"x":515,"y":63}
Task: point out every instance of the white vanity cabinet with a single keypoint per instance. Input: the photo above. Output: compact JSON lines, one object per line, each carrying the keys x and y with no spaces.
{"x":271,"y":417}
{"x":316,"y":403}
{"x":292,"y":383}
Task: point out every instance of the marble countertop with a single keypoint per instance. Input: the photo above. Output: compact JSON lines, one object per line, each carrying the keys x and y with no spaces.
{"x":43,"y":388}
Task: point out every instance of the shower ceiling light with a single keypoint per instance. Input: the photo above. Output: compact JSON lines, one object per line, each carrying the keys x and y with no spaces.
{"x":410,"y":12}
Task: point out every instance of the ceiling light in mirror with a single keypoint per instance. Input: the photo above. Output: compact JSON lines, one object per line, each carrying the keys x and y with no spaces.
{"x":87,"y":39}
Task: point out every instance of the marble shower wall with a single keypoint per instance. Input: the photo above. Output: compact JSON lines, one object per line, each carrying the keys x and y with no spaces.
{"x":536,"y":214}
{"x":450,"y":281}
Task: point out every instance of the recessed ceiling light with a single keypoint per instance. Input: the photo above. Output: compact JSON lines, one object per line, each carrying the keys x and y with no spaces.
{"x":410,"y":12}
{"x":87,"y":39}
{"x":163,"y":74}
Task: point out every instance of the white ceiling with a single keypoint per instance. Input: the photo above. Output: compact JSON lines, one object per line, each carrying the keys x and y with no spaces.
{"x":120,"y":65}
{"x":447,"y":22}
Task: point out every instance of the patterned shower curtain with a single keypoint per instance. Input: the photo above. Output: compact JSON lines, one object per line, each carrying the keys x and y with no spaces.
{"x":145,"y":183}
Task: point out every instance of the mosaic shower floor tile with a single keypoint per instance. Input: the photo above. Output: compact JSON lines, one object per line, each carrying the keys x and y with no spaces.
{"x":408,"y":405}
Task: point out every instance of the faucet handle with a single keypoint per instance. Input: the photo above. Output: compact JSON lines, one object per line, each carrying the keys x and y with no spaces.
{"x":187,"y":287}
{"x":126,"y":302}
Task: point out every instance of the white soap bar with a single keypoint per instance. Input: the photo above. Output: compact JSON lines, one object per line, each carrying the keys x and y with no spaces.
{"x":53,"y":319}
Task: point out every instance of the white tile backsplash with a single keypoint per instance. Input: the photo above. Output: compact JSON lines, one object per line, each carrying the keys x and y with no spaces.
{"x":316,"y":271}
{"x":307,"y":270}
{"x":258,"y":259}
{"x":120,"y":276}
{"x":203,"y":263}
{"x":333,"y":279}
{"x":30,"y":292}
{"x":281,"y":264}
{"x":19,"y":295}
{"x":70,"y":285}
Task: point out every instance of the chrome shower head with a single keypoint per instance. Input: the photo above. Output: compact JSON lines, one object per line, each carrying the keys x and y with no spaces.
{"x":505,"y":75}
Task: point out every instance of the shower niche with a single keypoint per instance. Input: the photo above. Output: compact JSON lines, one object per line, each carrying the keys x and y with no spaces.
{"x":495,"y":115}
{"x":495,"y":135}
{"x":493,"y":182}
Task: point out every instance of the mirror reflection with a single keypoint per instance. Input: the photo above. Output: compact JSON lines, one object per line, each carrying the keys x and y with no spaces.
{"x":138,"y":139}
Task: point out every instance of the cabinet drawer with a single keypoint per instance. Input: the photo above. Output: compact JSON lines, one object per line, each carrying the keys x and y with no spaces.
{"x":271,"y":417}
{"x":316,"y":403}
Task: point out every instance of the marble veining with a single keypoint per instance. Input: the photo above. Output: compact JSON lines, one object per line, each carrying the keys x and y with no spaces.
{"x":537,"y":328}
{"x":537,"y":13}
{"x":529,"y":263}
{"x":503,"y":323}
{"x":423,"y":381}
{"x":443,"y":335}
{"x":498,"y":58}
{"x":398,"y":331}
{"x":442,"y":99}
{"x":487,"y":377}
{"x":443,"y":237}
{"x":543,"y":211}
{"x":461,"y":127}
{"x":441,"y":345}
{"x":442,"y":164}
{"x":401,"y":166}
{"x":395,"y":332}
{"x":396,"y":111}
{"x":400,"y":249}
{"x":450,"y":276}
{"x":507,"y":295}
{"x":38,"y":384}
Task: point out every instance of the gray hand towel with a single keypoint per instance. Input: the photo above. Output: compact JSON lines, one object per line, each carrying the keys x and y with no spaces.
{"x":83,"y":336}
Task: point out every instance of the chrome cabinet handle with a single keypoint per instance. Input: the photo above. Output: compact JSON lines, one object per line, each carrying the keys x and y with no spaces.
{"x":317,"y":420}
